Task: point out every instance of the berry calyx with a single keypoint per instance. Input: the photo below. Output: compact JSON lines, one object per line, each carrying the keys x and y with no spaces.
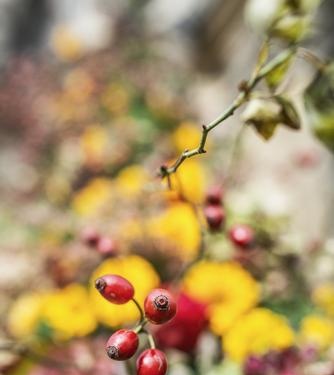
{"x":242,"y":236}
{"x":214,"y":195}
{"x":122,"y":345}
{"x":159,"y":306}
{"x":215,"y":216}
{"x":106,"y":246}
{"x":115,"y":288}
{"x":152,"y":362}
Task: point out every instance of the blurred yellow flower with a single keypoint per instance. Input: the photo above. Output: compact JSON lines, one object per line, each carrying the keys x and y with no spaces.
{"x":178,"y":226}
{"x":68,"y":312}
{"x":186,"y":136}
{"x":317,"y":330}
{"x":24,"y":315}
{"x":142,"y":276}
{"x":257,"y":332}
{"x":66,"y":46}
{"x":116,"y":99}
{"x":93,"y":143}
{"x":90,"y":199}
{"x":226,"y":287}
{"x":323,"y":296}
{"x":131,"y":180}
{"x":189,"y":181}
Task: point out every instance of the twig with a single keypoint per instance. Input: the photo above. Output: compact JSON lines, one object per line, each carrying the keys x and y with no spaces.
{"x":241,"y":98}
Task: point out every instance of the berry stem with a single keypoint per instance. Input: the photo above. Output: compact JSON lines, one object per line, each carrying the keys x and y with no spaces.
{"x":140,"y":326}
{"x":141,"y":312}
{"x":150,"y":340}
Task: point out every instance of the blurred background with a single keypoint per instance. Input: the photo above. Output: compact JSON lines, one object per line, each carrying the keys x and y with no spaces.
{"x":95,"y":96}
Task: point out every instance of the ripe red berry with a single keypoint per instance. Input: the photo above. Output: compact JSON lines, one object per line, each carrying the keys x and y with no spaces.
{"x":159,"y":306}
{"x":152,"y":362}
{"x":214,"y":195}
{"x":106,"y":246}
{"x":215,"y":216}
{"x":89,"y":236}
{"x":242,"y":236}
{"x":122,"y":345}
{"x":115,"y":288}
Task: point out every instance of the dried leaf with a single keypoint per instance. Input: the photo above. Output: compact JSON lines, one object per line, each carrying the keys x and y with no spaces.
{"x":289,"y":113}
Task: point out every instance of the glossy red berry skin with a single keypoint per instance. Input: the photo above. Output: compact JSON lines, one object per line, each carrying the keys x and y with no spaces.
{"x":242,"y":236}
{"x":122,"y":344}
{"x":214,"y":195}
{"x":160,"y":306}
{"x":152,"y":362}
{"x":106,"y":246}
{"x":215,"y":217}
{"x":115,"y":288}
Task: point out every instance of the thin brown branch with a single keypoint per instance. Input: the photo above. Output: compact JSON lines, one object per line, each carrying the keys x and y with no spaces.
{"x":240,"y":99}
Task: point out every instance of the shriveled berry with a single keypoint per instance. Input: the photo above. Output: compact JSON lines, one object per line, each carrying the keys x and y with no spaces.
{"x":242,"y":236}
{"x":214,"y":195}
{"x":159,"y":306}
{"x":122,"y":344}
{"x":106,"y":246}
{"x":215,"y":216}
{"x":115,"y":288}
{"x":90,"y":236}
{"x":152,"y":362}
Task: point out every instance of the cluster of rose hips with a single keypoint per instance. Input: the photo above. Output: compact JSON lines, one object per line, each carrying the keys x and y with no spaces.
{"x":103,"y":245}
{"x":241,"y":235}
{"x":159,"y":308}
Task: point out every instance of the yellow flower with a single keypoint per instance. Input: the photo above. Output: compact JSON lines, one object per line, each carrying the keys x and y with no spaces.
{"x":256,"y":333}
{"x":179,"y":227}
{"x":226,"y":287}
{"x":131,"y":180}
{"x":24,"y":315}
{"x":142,"y":276}
{"x":116,"y":99}
{"x":90,"y":199}
{"x":186,"y":136}
{"x":317,"y":330}
{"x":68,"y":312}
{"x":65,"y":44}
{"x":323,"y":296}
{"x":190,"y":181}
{"x":94,"y":142}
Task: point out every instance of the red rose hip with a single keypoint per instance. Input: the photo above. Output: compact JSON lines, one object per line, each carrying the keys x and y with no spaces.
{"x":242,"y":236}
{"x":159,"y":306}
{"x":215,"y":216}
{"x":152,"y":362}
{"x":115,"y":288}
{"x":122,"y":345}
{"x":214,"y":195}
